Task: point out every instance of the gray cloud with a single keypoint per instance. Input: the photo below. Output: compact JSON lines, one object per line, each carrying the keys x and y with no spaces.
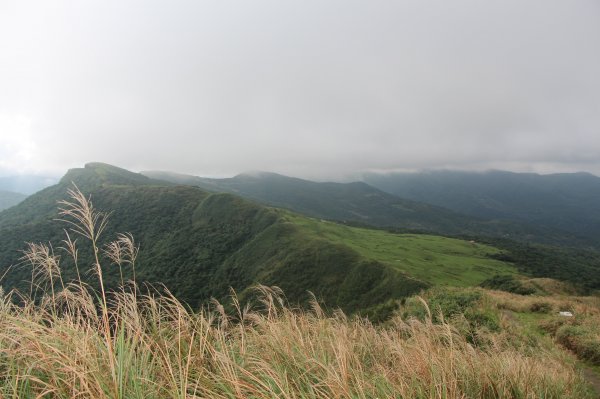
{"x":322,"y":89}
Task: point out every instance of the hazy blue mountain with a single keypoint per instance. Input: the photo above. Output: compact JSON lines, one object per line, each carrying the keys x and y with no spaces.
{"x":362,"y":203}
{"x":26,"y":184}
{"x":569,"y":202}
{"x":9,"y":198}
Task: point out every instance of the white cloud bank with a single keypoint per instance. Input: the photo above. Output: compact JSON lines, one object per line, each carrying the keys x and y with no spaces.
{"x":321,"y":89}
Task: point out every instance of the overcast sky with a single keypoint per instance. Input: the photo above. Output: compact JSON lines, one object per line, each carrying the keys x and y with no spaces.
{"x":312,"y":88}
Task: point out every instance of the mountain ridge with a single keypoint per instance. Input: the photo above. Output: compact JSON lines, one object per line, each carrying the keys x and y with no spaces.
{"x":199,"y":244}
{"x":359,"y":202}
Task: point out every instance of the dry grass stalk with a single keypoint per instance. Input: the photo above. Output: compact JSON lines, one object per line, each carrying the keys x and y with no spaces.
{"x":161,"y":349}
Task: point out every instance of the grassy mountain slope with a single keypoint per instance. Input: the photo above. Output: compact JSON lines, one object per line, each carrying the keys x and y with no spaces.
{"x":434,"y":259}
{"x":9,"y":198}
{"x":567,"y":202}
{"x":199,"y":244}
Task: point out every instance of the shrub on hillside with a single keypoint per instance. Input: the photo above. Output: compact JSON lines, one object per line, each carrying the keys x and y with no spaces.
{"x":463,"y":308}
{"x":541,"y":307}
{"x":580,"y":340}
{"x":507,"y":283}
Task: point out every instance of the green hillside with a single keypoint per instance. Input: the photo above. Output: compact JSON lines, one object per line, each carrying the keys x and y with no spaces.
{"x":434,"y":259}
{"x":199,"y":244}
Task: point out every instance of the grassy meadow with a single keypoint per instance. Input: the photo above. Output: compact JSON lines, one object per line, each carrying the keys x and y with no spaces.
{"x":433,"y":259}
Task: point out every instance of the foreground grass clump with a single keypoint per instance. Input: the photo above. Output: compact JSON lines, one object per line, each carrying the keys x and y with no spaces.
{"x":157,"y":348}
{"x":67,"y":340}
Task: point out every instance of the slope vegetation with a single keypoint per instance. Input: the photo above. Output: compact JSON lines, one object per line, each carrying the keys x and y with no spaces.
{"x":434,"y":259}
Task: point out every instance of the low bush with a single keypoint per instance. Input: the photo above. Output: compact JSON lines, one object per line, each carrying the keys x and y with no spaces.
{"x":507,"y":283}
{"x":541,"y":307}
{"x":580,"y":340}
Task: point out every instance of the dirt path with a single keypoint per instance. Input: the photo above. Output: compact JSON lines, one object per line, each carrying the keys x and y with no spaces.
{"x":592,"y":378}
{"x":590,"y":375}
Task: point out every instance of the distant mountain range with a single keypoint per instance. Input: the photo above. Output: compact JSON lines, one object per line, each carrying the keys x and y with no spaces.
{"x":26,"y":184}
{"x":14,"y":189}
{"x":346,"y":202}
{"x":568,"y":202}
{"x":9,"y":198}
{"x":365,"y":204}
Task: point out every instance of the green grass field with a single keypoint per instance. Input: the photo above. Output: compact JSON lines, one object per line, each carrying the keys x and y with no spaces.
{"x":434,"y":259}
